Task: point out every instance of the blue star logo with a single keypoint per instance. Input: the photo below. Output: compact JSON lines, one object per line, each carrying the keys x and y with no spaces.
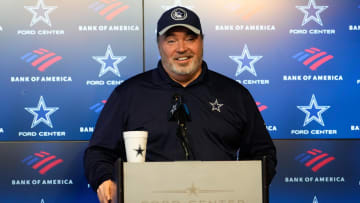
{"x":245,"y":62}
{"x":313,"y":111}
{"x":312,"y":12}
{"x":40,"y":12}
{"x":41,"y":113}
{"x":109,"y":62}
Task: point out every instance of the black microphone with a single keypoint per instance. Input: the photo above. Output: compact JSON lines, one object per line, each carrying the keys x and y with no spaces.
{"x":180,"y":112}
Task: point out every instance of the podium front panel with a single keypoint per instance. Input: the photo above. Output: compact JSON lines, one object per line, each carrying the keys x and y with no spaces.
{"x":193,"y":182}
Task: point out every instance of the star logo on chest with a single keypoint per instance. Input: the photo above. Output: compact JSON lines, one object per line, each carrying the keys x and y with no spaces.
{"x":139,"y":151}
{"x":215,"y":106}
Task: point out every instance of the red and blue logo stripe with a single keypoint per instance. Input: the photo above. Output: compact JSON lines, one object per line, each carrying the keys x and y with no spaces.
{"x":98,"y":106}
{"x":313,"y":57}
{"x":41,"y":58}
{"x":261,"y":107}
{"x":42,"y":161}
{"x":314,"y":159}
{"x":108,"y":8}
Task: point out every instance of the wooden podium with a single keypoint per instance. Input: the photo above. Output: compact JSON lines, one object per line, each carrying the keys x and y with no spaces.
{"x":191,"y":182}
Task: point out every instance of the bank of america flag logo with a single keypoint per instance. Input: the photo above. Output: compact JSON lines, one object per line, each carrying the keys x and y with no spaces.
{"x":98,"y":106}
{"x":261,"y":107}
{"x":42,"y":162}
{"x":108,"y":8}
{"x":41,"y":59}
{"x":314,"y":159}
{"x":312,"y":58}
{"x":41,"y":113}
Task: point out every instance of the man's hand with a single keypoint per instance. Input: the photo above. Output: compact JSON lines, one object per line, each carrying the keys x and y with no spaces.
{"x":106,"y":191}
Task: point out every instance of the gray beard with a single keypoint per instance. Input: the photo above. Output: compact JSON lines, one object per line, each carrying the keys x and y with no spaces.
{"x":181,"y":71}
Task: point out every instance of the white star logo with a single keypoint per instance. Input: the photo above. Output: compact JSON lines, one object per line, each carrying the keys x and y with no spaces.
{"x":313,"y":111}
{"x":176,"y":3}
{"x":215,"y":106}
{"x":245,"y":62}
{"x":312,"y":12}
{"x":40,"y":12}
{"x":109,"y":62}
{"x":41,"y":113}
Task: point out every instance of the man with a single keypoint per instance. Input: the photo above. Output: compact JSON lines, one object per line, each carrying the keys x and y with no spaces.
{"x":222,"y":119}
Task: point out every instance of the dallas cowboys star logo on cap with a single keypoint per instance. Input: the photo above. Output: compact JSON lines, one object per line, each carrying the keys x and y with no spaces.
{"x":139,"y":151}
{"x":179,"y":14}
{"x":41,"y":113}
{"x":215,"y":106}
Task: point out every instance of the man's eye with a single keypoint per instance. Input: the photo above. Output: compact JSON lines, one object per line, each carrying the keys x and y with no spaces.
{"x":171,"y":41}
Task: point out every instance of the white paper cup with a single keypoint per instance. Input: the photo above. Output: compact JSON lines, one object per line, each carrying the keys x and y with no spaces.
{"x":135,"y":145}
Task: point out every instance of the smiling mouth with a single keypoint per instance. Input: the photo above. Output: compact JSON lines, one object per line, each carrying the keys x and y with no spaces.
{"x":184,"y":58}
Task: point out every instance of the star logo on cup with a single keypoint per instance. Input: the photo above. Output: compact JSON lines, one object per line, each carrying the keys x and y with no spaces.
{"x":139,"y":151}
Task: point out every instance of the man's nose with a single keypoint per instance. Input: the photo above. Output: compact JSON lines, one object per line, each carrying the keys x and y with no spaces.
{"x":181,"y":46}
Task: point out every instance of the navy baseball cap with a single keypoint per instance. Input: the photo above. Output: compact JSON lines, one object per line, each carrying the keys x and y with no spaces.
{"x":179,"y":16}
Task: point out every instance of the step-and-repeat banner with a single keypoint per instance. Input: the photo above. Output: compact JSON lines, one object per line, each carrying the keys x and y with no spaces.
{"x":60,"y":60}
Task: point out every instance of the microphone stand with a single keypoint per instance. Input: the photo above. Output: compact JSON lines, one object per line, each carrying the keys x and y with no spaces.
{"x":182,"y":134}
{"x":180,"y":113}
